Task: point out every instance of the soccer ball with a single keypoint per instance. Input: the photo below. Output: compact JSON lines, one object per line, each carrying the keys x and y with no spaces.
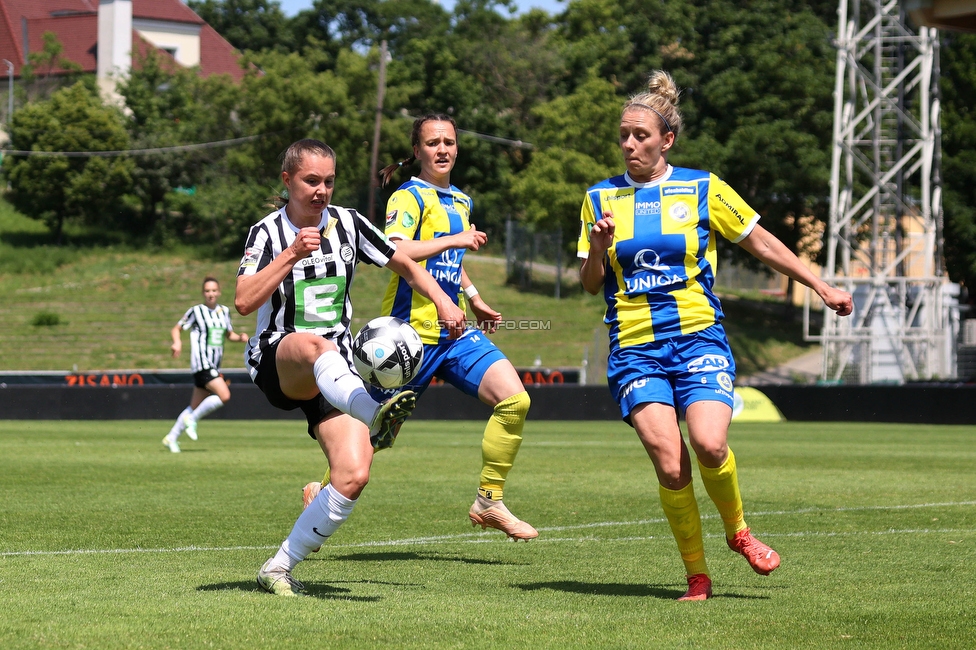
{"x":387,"y":352}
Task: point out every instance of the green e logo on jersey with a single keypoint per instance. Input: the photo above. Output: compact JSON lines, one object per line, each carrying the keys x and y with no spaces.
{"x":215,"y":337}
{"x":319,"y":302}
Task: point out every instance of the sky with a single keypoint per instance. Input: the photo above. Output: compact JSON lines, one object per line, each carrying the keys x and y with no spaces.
{"x":292,"y":7}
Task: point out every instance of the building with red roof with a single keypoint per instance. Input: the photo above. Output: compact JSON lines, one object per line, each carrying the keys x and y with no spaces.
{"x":101,"y":35}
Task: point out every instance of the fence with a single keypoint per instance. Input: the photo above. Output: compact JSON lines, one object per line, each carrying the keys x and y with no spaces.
{"x":527,"y":251}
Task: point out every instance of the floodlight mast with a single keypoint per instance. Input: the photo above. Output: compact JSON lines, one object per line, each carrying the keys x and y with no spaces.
{"x":884,"y":230}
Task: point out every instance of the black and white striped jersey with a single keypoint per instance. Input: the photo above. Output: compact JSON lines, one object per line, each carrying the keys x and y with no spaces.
{"x":314,"y":297}
{"x":208,"y":328}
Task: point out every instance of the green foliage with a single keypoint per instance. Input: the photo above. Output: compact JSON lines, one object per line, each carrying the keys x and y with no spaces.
{"x":247,"y":24}
{"x":577,"y":141}
{"x":958,"y":86}
{"x":171,"y":106}
{"x":219,"y":214}
{"x":57,"y":189}
{"x":46,"y":319}
{"x":756,"y":80}
{"x":48,"y":59}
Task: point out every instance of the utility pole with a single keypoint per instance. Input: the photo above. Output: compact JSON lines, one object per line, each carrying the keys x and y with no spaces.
{"x":10,"y":91}
{"x":374,"y":159}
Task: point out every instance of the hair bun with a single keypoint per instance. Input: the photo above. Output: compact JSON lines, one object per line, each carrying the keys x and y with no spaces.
{"x":662,"y":84}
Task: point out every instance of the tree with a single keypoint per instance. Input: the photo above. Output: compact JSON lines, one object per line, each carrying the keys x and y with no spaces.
{"x":248,"y":24}
{"x":169,"y":106}
{"x":958,"y":87}
{"x":57,"y":189}
{"x":577,"y":148}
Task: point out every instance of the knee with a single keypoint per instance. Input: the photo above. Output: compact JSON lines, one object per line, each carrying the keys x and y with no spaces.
{"x":513,"y":409}
{"x":350,"y":483}
{"x":225,"y":397}
{"x":712,"y":453}
{"x":319,"y":346}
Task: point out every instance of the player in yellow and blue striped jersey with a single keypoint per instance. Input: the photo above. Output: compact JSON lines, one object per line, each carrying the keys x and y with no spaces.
{"x":647,"y":240}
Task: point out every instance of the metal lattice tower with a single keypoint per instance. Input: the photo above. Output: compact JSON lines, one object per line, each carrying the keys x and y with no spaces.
{"x":885,"y":203}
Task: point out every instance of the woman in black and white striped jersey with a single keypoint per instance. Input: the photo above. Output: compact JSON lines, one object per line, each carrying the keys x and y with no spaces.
{"x":209,"y":324}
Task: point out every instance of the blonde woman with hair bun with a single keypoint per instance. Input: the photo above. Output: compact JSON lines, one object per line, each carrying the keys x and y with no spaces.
{"x":647,"y":241}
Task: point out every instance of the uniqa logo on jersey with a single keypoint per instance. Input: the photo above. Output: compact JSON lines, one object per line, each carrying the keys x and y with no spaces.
{"x":652,"y":273}
{"x":447,"y":266}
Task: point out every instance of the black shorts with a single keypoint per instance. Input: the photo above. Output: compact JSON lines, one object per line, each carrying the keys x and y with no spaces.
{"x":315,"y":409}
{"x":204,"y":377}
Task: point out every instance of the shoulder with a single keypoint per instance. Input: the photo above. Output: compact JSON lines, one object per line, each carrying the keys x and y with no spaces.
{"x":612,"y":183}
{"x":269,"y":219}
{"x":461,"y":197}
{"x":686,"y":174}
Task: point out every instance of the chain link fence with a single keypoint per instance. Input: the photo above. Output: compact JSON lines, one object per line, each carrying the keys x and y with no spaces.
{"x":533,"y":257}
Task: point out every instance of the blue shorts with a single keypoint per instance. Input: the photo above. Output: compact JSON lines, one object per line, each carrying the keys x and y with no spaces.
{"x":462,"y":363}
{"x":678,"y":371}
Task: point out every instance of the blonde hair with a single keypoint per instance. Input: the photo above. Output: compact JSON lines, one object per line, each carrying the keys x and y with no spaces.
{"x":660,"y":98}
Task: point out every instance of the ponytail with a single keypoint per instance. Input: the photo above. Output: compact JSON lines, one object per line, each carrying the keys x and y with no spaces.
{"x":387,"y":172}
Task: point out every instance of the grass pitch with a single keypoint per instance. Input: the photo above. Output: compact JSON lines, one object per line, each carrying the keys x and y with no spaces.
{"x":108,"y":540}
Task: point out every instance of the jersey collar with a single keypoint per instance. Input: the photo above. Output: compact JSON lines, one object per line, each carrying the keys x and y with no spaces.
{"x":323,"y":219}
{"x":633,"y":183}
{"x":431,"y":185}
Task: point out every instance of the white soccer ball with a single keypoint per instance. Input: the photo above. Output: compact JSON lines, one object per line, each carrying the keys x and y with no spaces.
{"x":387,"y":352}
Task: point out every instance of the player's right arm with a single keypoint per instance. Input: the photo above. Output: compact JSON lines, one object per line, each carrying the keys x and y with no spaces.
{"x":422,"y":249}
{"x":423,"y":283}
{"x":254,"y":289}
{"x":596,"y":237}
{"x":174,"y":334}
{"x":402,"y":225}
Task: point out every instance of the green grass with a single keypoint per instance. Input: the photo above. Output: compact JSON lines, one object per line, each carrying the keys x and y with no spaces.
{"x":91,"y":308}
{"x":107,"y":540}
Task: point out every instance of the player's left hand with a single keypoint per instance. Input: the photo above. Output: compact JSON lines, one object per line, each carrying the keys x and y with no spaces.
{"x":487,"y":317}
{"x":452,"y":318}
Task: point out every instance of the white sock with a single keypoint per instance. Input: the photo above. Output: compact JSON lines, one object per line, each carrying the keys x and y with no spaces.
{"x":210,"y":404}
{"x":344,"y":389}
{"x":318,"y":521}
{"x":177,"y":429}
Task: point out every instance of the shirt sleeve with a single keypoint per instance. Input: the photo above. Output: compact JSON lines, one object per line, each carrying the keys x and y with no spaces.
{"x":587,"y":220}
{"x":729,"y":215}
{"x":188,"y":319}
{"x":373,"y":245}
{"x":257,"y":251}
{"x":402,"y":215}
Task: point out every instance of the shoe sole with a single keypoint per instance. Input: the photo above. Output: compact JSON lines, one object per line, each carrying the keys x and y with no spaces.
{"x":398,"y":410}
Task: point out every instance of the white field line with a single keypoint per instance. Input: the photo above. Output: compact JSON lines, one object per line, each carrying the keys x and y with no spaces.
{"x":485,"y":537}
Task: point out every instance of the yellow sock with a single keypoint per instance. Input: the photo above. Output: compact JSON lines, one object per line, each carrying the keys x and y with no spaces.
{"x":503,"y":436}
{"x":722,"y":485}
{"x":681,"y":509}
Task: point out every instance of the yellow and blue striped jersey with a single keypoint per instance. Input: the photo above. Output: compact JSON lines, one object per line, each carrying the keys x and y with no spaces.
{"x":421,"y":211}
{"x":660,"y":269}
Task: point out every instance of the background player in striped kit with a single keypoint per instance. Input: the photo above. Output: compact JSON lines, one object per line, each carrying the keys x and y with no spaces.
{"x":647,"y":240}
{"x":209,"y":323}
{"x":298,"y":266}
